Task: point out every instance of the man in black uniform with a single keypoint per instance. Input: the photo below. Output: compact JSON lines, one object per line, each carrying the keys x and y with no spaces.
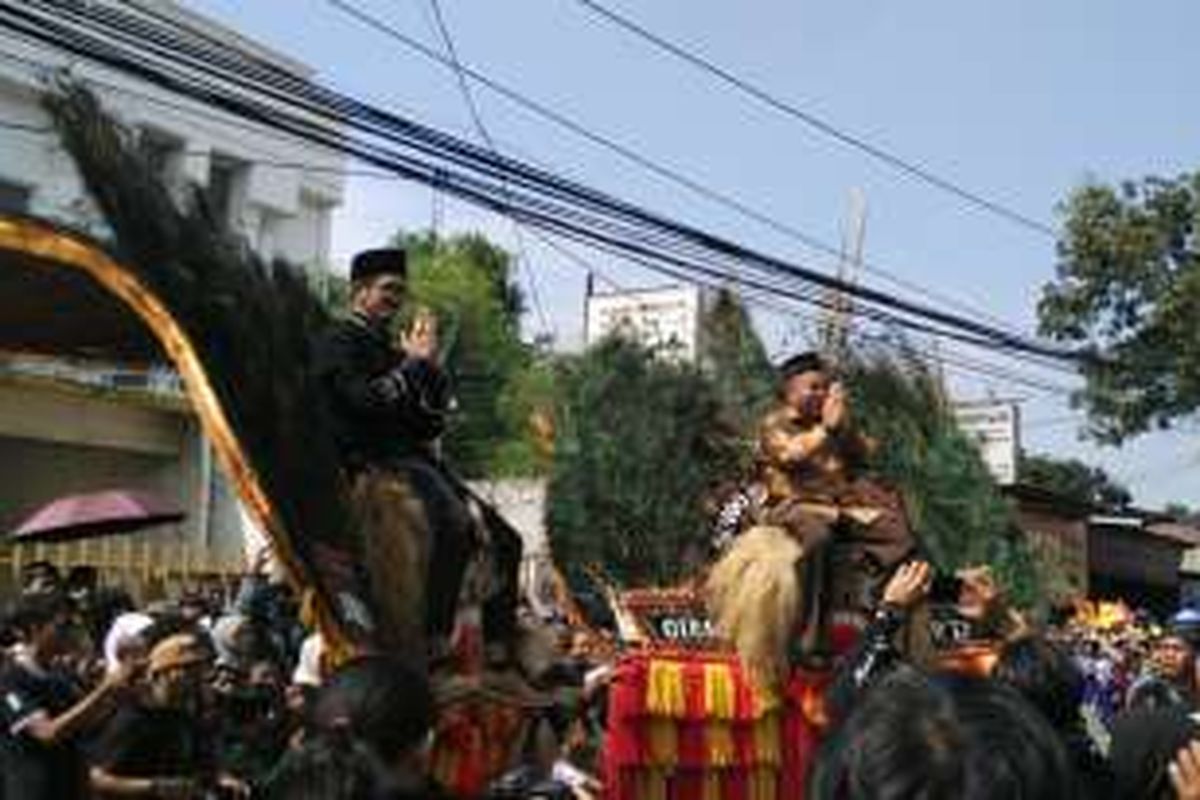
{"x":387,"y":402}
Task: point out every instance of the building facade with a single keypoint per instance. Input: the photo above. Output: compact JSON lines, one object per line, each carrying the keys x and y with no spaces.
{"x":69,"y":427}
{"x":277,"y":192}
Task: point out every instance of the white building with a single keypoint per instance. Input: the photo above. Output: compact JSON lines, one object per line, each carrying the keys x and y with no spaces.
{"x":276,"y":191}
{"x":667,"y":320}
{"x":995,"y":428}
{"x":68,"y":428}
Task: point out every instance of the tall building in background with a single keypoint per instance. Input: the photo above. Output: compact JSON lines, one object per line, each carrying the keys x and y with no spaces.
{"x":77,"y":426}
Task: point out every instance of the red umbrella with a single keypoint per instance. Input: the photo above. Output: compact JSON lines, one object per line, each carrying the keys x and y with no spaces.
{"x":83,"y":516}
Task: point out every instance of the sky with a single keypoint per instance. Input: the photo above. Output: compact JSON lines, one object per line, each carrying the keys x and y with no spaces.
{"x":1020,"y":100}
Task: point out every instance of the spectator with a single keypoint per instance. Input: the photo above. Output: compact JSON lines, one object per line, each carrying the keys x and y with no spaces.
{"x":1173,"y":660}
{"x":1045,"y":675}
{"x":371,"y":728}
{"x":943,"y":738}
{"x":43,"y":715}
{"x":126,"y":641}
{"x":156,"y":746}
{"x":253,"y":722}
{"x":1144,"y":742}
{"x":535,"y":777}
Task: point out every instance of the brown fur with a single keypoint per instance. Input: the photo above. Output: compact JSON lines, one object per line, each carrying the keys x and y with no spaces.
{"x":755,"y":595}
{"x":395,"y":538}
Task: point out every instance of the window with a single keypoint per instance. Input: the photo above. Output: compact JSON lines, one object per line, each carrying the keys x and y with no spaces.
{"x":165,"y":153}
{"x":14,"y":197}
{"x":227,"y":179}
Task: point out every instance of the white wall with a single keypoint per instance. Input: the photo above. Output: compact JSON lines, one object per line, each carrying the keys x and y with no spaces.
{"x":50,"y":445}
{"x":294,"y":185}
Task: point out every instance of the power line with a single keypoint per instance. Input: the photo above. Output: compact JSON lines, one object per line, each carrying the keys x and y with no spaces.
{"x":963,"y":366}
{"x":876,"y":152}
{"x":481,"y":129}
{"x":589,"y":215}
{"x":639,"y":159}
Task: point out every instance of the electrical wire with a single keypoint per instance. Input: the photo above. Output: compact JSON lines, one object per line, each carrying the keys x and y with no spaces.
{"x":905,"y":166}
{"x":594,"y":216}
{"x":629,"y":154}
{"x":480,"y":128}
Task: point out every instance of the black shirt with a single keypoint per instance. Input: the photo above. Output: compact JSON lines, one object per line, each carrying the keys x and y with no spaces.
{"x":142,"y":741}
{"x":382,"y":405}
{"x":33,"y":770}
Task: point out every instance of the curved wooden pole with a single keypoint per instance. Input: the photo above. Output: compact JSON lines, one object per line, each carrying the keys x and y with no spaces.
{"x":57,"y":248}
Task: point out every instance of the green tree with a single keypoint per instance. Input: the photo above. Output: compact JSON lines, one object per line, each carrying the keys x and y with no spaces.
{"x":1128,"y":290}
{"x":639,"y":442}
{"x":1074,"y":480}
{"x":464,"y":279}
{"x":736,"y":361}
{"x":952,"y":501}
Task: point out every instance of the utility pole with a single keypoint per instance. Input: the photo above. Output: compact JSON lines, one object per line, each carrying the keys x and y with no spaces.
{"x":837,"y":323}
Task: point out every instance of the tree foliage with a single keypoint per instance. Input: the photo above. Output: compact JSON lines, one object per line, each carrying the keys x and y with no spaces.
{"x":1128,"y":289}
{"x":464,"y":279}
{"x":953,"y":503}
{"x":639,"y":442}
{"x":1074,"y":480}
{"x":734,"y":358}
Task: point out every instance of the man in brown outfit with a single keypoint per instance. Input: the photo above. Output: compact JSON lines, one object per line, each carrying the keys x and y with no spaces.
{"x":852,"y":528}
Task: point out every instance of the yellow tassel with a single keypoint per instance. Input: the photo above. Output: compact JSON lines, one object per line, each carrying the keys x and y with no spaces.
{"x":712,"y":785}
{"x":764,"y":700}
{"x":766,"y":740}
{"x":663,"y":741}
{"x":653,"y":785}
{"x":664,"y":689}
{"x":720,"y":695}
{"x":762,"y":784}
{"x":721,"y":750}
{"x":445,"y":767}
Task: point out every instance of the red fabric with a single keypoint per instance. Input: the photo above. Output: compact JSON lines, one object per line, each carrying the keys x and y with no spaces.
{"x":747,"y":700}
{"x":687,"y":785}
{"x":800,"y":725}
{"x":735,"y":785}
{"x":693,"y":689}
{"x":693,"y":745}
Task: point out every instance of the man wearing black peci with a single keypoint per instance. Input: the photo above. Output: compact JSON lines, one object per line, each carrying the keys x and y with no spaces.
{"x":387,"y":401}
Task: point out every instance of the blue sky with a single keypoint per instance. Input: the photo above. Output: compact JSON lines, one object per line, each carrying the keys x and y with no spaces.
{"x":1020,"y":100}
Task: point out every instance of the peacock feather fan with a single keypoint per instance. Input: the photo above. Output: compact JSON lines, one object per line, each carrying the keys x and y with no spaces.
{"x":251,"y":323}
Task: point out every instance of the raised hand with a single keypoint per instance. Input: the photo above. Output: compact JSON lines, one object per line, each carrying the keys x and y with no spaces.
{"x":421,"y":339}
{"x":833,"y":411}
{"x":1185,"y":772}
{"x":908,"y":585}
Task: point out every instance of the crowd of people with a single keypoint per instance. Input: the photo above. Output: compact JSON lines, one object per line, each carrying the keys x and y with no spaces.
{"x":201,"y":698}
{"x":1059,"y":711}
{"x":198,"y":698}
{"x":210,"y":697}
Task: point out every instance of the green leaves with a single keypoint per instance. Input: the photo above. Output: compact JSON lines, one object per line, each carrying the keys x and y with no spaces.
{"x":639,"y":443}
{"x":1128,"y":287}
{"x":952,"y":501}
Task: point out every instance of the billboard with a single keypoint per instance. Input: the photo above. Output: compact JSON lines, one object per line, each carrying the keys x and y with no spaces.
{"x":666,"y":320}
{"x":995,"y":427}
